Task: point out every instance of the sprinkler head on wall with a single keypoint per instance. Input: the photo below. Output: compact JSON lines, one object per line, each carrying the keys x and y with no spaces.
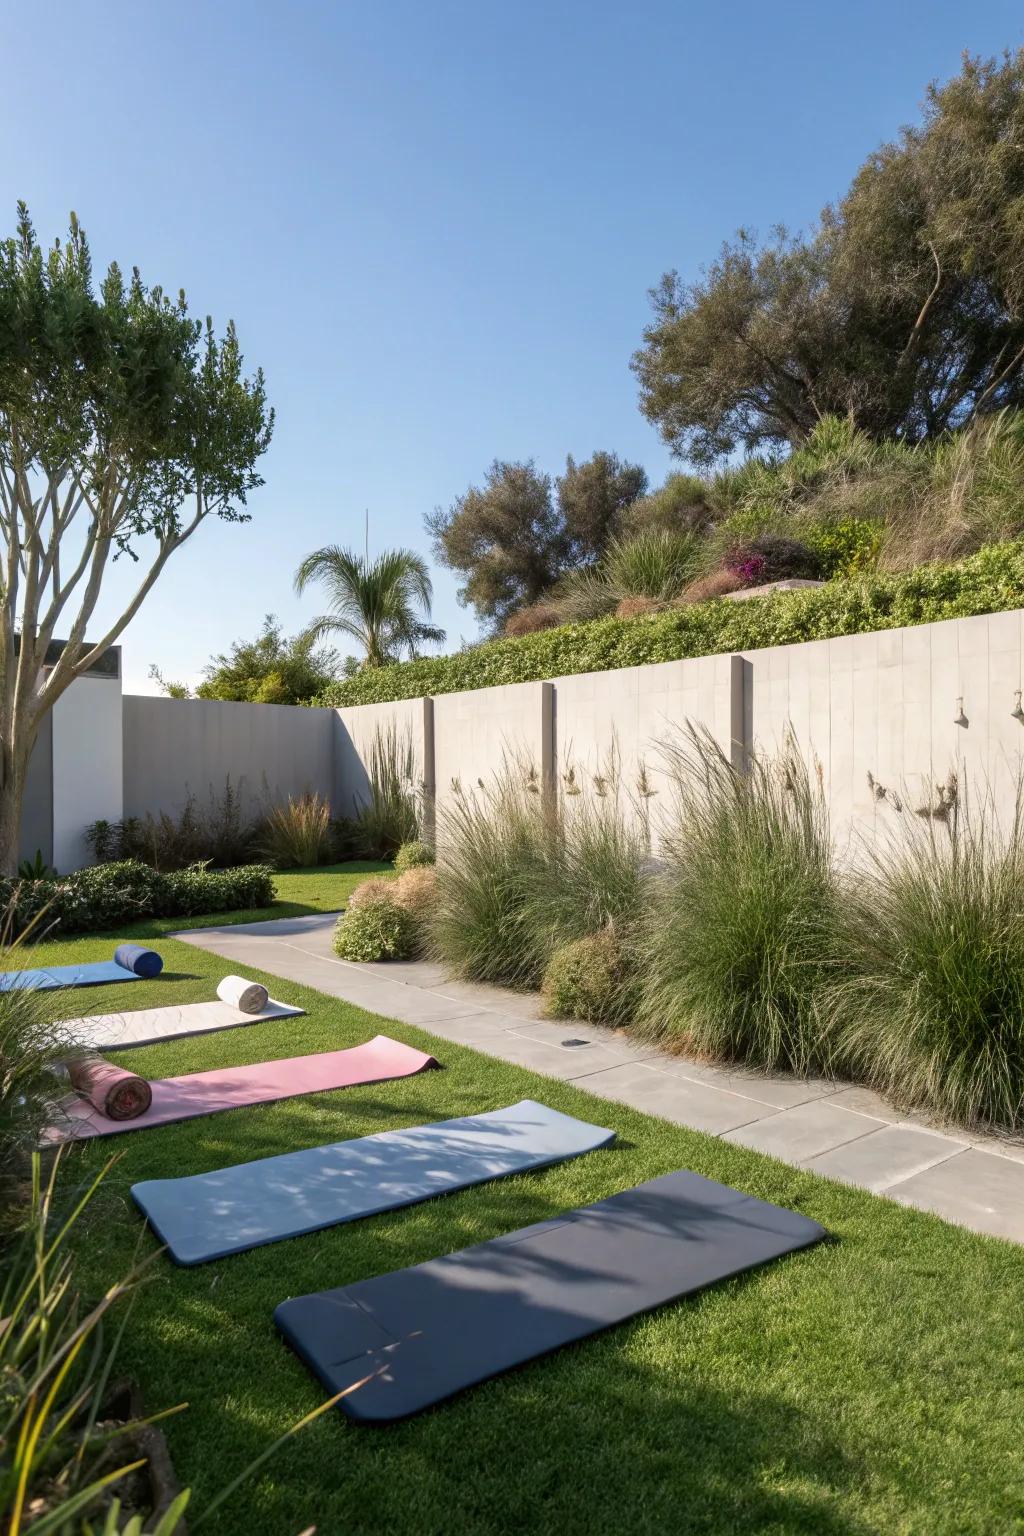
{"x":960,"y":718}
{"x":1017,"y":713}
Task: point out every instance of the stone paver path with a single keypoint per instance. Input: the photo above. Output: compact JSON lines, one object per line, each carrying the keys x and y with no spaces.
{"x":842,"y":1131}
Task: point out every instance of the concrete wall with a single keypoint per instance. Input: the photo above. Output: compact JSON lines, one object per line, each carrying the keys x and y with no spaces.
{"x":905,"y":706}
{"x":176,"y":746}
{"x":86,"y":766}
{"x":608,"y":725}
{"x":477,"y":733}
{"x":409,"y":723}
{"x":889,"y":716}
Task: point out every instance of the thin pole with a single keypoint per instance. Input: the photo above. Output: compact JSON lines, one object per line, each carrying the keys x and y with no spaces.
{"x":366,"y":540}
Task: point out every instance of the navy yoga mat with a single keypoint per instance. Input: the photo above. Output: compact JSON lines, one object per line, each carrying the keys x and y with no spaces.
{"x":404,"y":1341}
{"x":137,"y":963}
{"x":211,"y":1215}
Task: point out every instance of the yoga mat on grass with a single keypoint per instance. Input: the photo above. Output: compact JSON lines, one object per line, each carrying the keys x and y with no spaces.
{"x":92,"y":973}
{"x":205,"y":1093}
{"x":211,"y":1215}
{"x":118,"y":1094}
{"x":147,"y":1026}
{"x":401,"y":1342}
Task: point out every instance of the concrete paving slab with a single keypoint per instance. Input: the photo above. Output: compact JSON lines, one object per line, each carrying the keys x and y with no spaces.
{"x":552,"y":1060}
{"x":866,"y":1102}
{"x":557,"y":1034}
{"x":885,"y":1157}
{"x":674,"y":1098}
{"x":523,"y":1005}
{"x":767,"y":1088}
{"x":974,"y":1190}
{"x":998,"y":1146}
{"x":471,"y":1028}
{"x":805,"y":1131}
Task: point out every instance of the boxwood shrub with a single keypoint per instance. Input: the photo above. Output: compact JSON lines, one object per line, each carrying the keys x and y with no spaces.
{"x":110,"y":895}
{"x":987,"y":582}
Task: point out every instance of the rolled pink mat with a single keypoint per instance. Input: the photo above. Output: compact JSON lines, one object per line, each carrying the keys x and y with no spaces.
{"x":118,"y":1094}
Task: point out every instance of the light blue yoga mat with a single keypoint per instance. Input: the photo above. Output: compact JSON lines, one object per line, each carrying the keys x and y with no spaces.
{"x":93,"y":974}
{"x":211,"y":1215}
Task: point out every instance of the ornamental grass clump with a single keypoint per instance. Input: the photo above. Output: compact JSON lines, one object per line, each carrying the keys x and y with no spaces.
{"x":932,"y":1012}
{"x":492,"y":854}
{"x":595,"y":870}
{"x":741,"y":935}
{"x":523,"y":872}
{"x":297,"y":835}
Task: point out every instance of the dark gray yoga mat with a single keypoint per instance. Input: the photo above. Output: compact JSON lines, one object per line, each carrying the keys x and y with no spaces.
{"x":402,"y":1342}
{"x":210,"y":1215}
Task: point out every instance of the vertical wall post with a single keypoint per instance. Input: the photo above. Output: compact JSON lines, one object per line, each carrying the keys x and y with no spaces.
{"x":429,"y":774}
{"x":741,"y":712}
{"x":548,"y":744}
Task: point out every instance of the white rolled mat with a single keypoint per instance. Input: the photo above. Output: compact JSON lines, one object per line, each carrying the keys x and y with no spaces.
{"x":248,"y":996}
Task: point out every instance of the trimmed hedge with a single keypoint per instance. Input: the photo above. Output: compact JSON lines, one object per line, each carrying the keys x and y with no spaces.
{"x":987,"y":582}
{"x":110,"y":895}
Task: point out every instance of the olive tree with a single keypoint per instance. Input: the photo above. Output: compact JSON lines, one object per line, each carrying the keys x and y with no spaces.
{"x":124,"y":426}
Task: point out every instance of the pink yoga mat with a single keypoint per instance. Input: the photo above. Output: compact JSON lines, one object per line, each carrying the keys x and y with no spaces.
{"x":204,"y":1093}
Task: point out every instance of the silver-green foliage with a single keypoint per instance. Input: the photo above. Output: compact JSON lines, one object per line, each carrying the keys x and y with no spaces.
{"x":932,"y":1008}
{"x":742,"y":928}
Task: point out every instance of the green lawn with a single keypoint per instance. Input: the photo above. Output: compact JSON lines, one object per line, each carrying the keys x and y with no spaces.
{"x":872,"y":1384}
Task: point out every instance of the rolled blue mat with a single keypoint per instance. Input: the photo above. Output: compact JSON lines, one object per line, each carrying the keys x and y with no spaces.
{"x":143,"y":962}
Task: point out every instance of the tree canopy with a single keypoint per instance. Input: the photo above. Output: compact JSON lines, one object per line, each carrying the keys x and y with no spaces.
{"x":271,"y":669}
{"x":124,"y":426}
{"x":514,"y":536}
{"x":903,"y":309}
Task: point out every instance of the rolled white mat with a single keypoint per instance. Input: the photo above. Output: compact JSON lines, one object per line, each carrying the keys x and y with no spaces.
{"x":249,"y":996}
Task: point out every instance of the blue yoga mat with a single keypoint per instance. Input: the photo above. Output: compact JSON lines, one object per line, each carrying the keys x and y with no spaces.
{"x":211,"y":1215}
{"x":93,"y":974}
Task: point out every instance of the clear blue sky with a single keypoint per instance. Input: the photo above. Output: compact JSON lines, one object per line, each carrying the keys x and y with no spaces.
{"x":435,"y":224}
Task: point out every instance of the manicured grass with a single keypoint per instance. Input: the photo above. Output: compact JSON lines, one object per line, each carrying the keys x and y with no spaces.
{"x":871,"y":1384}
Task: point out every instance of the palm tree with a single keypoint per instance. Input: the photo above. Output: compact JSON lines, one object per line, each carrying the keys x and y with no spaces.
{"x":383,"y":603}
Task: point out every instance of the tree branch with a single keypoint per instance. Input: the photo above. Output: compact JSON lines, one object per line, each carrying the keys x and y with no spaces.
{"x":914,"y":339}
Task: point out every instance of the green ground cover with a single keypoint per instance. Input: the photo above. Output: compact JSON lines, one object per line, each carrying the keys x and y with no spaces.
{"x":871,"y":1384}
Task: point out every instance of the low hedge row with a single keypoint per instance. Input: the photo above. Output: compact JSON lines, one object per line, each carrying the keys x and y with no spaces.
{"x":110,"y":895}
{"x":987,"y":582}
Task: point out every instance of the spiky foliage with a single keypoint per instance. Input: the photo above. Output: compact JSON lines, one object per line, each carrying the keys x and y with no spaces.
{"x":382,"y":604}
{"x":520,"y":874}
{"x":390,"y":817}
{"x":655,"y":563}
{"x":932,"y":1011}
{"x":297,"y":834}
{"x":741,"y":936}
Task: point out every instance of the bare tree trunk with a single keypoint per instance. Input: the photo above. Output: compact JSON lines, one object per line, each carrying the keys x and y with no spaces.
{"x":12,"y":792}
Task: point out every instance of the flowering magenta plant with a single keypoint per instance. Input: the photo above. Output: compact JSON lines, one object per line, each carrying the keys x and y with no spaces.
{"x":748,"y":567}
